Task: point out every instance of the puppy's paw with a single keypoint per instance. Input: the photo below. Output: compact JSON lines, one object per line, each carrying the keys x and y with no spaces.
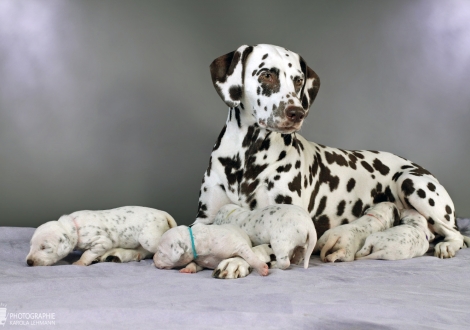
{"x":264,"y":270}
{"x":447,"y":249}
{"x":79,"y":263}
{"x":232,"y":268}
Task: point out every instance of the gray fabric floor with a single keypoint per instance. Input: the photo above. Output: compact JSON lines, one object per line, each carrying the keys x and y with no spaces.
{"x":421,"y":293}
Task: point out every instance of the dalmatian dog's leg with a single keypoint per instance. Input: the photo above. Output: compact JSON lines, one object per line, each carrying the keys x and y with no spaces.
{"x":191,"y":268}
{"x":427,"y":196}
{"x":237,"y":267}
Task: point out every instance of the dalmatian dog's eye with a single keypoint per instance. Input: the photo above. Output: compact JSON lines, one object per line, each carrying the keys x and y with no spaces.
{"x":267,"y":76}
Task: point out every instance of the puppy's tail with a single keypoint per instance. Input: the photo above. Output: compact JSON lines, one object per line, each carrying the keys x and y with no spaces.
{"x":171,"y":221}
{"x":330,"y":242}
{"x":312,"y":240}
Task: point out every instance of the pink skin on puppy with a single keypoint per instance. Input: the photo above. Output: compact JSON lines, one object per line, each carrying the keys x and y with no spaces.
{"x":212,"y":245}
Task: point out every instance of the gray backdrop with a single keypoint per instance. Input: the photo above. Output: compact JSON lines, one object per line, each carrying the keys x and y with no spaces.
{"x":110,"y":103}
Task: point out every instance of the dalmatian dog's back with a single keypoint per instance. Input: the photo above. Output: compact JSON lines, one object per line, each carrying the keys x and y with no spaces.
{"x":259,"y":159}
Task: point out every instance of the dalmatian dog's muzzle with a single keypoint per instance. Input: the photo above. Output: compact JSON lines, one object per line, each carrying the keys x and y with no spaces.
{"x":273,"y":82}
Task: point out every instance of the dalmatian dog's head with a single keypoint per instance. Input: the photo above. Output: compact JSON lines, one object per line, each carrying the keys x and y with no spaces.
{"x":173,"y":249}
{"x":272,"y":83}
{"x":387,"y":211}
{"x":50,"y":243}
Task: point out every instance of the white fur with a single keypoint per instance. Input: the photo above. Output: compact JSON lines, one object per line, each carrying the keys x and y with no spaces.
{"x":342,"y":242}
{"x":287,"y":228}
{"x":212,"y":243}
{"x":408,"y":240}
{"x":126,"y":233}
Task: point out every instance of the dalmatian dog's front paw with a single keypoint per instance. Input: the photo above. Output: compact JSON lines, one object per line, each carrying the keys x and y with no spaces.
{"x":447,"y":249}
{"x":232,"y":268}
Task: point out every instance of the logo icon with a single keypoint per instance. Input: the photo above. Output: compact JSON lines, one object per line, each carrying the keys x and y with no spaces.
{"x":3,"y":314}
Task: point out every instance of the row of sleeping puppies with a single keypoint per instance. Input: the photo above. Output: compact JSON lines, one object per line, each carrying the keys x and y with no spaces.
{"x":132,"y":233}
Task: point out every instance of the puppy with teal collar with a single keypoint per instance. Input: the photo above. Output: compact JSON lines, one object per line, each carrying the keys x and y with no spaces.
{"x":205,"y":246}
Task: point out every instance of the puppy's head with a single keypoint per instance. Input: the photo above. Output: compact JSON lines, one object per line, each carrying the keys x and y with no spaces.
{"x":415,"y":219}
{"x":173,"y":249}
{"x":50,"y":243}
{"x":272,"y":83}
{"x":387,"y":211}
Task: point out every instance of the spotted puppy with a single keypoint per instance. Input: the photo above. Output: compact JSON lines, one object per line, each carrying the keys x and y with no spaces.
{"x":287,"y":228}
{"x":260,"y":159}
{"x":122,"y":234}
{"x":409,"y":240}
{"x":203,"y":246}
{"x":342,"y":242}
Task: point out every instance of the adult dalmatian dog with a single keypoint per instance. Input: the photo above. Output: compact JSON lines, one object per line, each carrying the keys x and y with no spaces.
{"x":259,"y":159}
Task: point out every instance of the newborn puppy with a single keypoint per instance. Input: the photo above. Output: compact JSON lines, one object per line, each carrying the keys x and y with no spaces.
{"x":127,"y":233}
{"x":204,"y":246}
{"x":288,"y":228}
{"x":408,"y":240}
{"x":342,"y":242}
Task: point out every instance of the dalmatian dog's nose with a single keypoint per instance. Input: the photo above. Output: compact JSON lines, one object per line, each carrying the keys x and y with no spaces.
{"x":295,"y":114}
{"x":30,"y":262}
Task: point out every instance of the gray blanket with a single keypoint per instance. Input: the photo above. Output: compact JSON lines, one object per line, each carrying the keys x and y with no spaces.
{"x":421,"y":293}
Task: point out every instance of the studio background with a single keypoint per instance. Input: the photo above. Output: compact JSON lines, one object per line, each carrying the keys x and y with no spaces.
{"x":110,"y":103}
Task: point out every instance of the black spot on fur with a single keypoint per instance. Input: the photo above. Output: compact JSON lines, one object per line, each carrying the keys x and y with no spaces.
{"x":430,"y":221}
{"x":237,"y":116}
{"x":232,"y":170}
{"x":235,"y":92}
{"x":264,"y":56}
{"x":419,"y":171}
{"x":421,"y":193}
{"x":321,"y":206}
{"x":296,"y":184}
{"x":219,"y":139}
{"x":358,"y":154}
{"x":322,"y":224}
{"x":282,"y":199}
{"x":287,"y":139}
{"x":379,"y":166}
{"x":326,"y":177}
{"x":396,"y":176}
{"x":357,"y":208}
{"x":340,"y":208}
{"x":448,"y":209}
{"x":297,"y":164}
{"x":201,"y":211}
{"x":282,"y":155}
{"x":431,"y":187}
{"x":351,"y":184}
{"x":285,"y":168}
{"x":367,"y":166}
{"x":407,"y":187}
{"x":253,"y":204}
{"x":447,"y":217}
{"x":344,"y":221}
{"x":404,"y":167}
{"x":396,"y":217}
{"x":431,"y":202}
{"x":313,"y":196}
{"x":335,"y":158}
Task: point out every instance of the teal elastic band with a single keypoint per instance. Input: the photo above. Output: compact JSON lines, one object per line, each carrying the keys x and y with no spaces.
{"x":192,"y":243}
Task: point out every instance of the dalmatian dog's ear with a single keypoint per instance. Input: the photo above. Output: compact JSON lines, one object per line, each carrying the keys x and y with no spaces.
{"x":311,"y":85}
{"x":227,"y":72}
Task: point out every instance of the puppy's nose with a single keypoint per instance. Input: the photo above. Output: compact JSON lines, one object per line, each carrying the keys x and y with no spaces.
{"x":30,"y":262}
{"x":295,"y":114}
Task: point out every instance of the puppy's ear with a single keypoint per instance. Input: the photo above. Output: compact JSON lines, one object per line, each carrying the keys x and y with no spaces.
{"x":311,"y":85}
{"x":227,"y":72}
{"x":64,"y":246}
{"x":177,"y":253}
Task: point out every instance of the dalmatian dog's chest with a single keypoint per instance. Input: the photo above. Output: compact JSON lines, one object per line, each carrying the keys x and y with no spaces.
{"x":335,"y":186}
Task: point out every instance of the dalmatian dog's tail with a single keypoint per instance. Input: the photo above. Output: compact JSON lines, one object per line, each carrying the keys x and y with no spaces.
{"x":171,"y":221}
{"x":312,"y":241}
